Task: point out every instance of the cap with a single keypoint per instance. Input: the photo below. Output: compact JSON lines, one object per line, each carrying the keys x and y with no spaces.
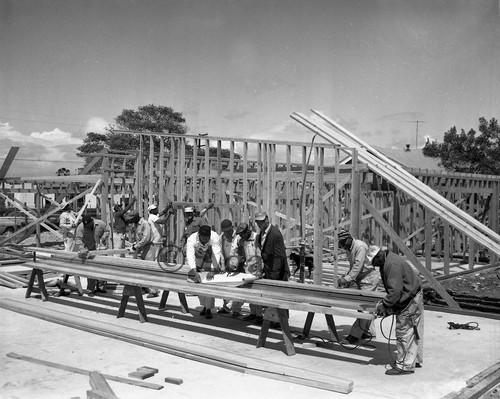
{"x":242,"y":227}
{"x":86,"y":219}
{"x":226,"y":224}
{"x":117,"y":207}
{"x":152,"y":206}
{"x":344,"y":235}
{"x":189,"y":209}
{"x":260,"y":216}
{"x":205,"y":230}
{"x":373,"y":250}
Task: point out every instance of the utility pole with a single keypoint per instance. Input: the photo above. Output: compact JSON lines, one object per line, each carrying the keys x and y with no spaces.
{"x":417,"y":122}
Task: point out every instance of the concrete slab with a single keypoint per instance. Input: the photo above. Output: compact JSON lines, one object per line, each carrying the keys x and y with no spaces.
{"x":451,"y":356}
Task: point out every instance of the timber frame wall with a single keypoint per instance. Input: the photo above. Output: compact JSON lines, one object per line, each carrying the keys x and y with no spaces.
{"x":311,"y":199}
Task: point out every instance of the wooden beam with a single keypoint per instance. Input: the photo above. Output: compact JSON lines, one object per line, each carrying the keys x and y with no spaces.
{"x":77,"y":370}
{"x":410,"y":255}
{"x":8,"y":161}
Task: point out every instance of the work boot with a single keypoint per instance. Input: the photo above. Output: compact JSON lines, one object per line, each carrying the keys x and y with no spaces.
{"x":350,"y":340}
{"x":208,"y":314}
{"x":203,"y":312}
{"x":249,"y":317}
{"x":398,"y":372}
{"x":223,"y":309}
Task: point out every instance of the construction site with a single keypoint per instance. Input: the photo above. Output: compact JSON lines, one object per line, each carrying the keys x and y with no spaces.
{"x":59,"y":342}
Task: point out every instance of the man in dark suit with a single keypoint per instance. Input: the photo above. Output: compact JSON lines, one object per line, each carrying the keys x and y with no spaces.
{"x":273,"y":253}
{"x":272,"y":247}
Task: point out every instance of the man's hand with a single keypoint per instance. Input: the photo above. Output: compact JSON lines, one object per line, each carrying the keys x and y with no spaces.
{"x":210,"y":276}
{"x":380,"y":309}
{"x":193,"y":275}
{"x":343,"y":283}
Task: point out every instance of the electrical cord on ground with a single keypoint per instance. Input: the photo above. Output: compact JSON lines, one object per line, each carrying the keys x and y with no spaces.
{"x":472,"y":325}
{"x":389,"y":339}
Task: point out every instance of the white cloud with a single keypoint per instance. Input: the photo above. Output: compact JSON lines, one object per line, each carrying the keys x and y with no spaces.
{"x":96,"y":125}
{"x":55,"y":137}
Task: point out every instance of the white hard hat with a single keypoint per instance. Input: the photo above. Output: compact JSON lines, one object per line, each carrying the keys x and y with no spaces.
{"x":152,"y":206}
{"x":189,"y":209}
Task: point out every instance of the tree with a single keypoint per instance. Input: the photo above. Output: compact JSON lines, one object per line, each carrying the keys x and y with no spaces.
{"x":469,"y":152}
{"x":63,"y":172}
{"x":147,"y":118}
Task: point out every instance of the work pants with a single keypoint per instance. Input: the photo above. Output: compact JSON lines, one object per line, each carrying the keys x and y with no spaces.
{"x":118,"y":243}
{"x":410,"y":345}
{"x":361,"y":326}
{"x":203,"y":264}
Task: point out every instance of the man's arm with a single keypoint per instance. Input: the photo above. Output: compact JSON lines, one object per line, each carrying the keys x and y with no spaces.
{"x":146,"y":235}
{"x":358,"y":260}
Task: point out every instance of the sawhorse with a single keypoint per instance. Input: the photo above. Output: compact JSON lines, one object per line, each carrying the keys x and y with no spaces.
{"x":329,"y":322}
{"x":182,"y":300}
{"x":280,"y":316}
{"x":136,"y":291}
{"x":38,"y":273}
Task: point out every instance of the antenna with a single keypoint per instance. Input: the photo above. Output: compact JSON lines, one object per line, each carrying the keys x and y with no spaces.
{"x":416,"y":133}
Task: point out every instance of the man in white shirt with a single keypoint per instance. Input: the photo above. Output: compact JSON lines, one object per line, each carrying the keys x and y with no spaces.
{"x":203,"y":254}
{"x":68,"y":222}
{"x":229,"y":245}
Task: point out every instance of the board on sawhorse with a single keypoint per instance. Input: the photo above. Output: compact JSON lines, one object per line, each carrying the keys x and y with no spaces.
{"x":277,"y":315}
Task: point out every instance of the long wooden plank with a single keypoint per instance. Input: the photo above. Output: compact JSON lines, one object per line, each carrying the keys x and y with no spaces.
{"x":77,"y":370}
{"x":250,"y":365}
{"x":411,"y":179}
{"x":8,"y":161}
{"x":162,"y":282}
{"x":392,"y":174}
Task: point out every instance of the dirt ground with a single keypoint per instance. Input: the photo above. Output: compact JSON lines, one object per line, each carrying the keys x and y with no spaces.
{"x":481,"y":284}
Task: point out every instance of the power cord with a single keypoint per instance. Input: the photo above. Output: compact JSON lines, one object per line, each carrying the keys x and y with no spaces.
{"x":466,"y":326}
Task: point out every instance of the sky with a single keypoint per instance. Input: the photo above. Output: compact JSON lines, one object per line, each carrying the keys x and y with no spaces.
{"x":240,"y":68}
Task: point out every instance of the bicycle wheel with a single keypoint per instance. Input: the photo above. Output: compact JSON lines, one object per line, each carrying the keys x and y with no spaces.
{"x":170,"y":258}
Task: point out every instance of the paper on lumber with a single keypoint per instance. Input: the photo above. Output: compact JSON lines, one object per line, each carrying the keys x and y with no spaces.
{"x":235,"y":280}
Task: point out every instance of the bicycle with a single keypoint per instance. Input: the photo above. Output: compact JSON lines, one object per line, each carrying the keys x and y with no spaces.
{"x":170,"y":256}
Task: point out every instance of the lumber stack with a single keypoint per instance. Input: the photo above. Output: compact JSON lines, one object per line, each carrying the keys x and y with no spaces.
{"x":192,"y":351}
{"x":307,"y":298}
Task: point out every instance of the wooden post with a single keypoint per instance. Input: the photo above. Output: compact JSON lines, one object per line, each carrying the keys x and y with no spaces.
{"x":151,"y":198}
{"x":161,"y":175}
{"x":319,"y":160}
{"x":355,"y":193}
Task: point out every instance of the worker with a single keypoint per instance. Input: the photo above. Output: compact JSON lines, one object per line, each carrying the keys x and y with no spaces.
{"x":404,"y":300}
{"x":143,"y":244}
{"x":156,"y":240}
{"x":359,"y":276}
{"x":68,"y":222}
{"x":193,"y":223}
{"x":203,"y":254}
{"x":92,"y":234}
{"x":229,"y":247}
{"x":272,"y":248}
{"x":120,"y":225}
{"x":249,"y":255}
